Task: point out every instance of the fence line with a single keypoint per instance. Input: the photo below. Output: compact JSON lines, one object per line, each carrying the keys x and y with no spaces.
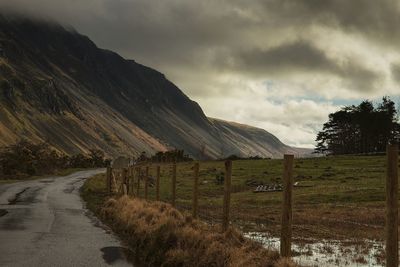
{"x":128,"y":177}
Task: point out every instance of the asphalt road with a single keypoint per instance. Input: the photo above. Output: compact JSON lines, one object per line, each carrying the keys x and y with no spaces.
{"x":44,"y":223}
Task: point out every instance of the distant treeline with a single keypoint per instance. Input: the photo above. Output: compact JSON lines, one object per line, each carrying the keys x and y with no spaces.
{"x":235,"y":157}
{"x":26,"y":158}
{"x":360,"y":129}
{"x":176,"y":155}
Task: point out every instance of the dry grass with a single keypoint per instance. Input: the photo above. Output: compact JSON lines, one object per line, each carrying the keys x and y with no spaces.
{"x":163,"y":236}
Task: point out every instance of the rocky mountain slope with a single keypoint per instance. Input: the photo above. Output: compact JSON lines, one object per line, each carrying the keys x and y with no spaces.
{"x":56,"y":85}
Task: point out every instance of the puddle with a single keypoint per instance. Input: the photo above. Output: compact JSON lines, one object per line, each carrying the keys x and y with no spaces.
{"x":14,"y":200}
{"x":114,"y":254}
{"x":27,"y":196}
{"x":14,"y":220}
{"x":328,"y":252}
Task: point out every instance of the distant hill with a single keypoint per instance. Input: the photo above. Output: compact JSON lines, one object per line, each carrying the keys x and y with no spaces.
{"x":249,"y":141}
{"x":56,"y":85}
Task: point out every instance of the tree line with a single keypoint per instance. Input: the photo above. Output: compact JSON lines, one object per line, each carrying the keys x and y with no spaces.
{"x":176,"y":155}
{"x":360,"y":129}
{"x":27,"y":159}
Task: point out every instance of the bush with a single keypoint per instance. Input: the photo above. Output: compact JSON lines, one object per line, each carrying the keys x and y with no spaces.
{"x":27,"y":159}
{"x":171,"y":156}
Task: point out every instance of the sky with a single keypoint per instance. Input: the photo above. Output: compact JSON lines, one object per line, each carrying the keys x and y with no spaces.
{"x":282,"y":65}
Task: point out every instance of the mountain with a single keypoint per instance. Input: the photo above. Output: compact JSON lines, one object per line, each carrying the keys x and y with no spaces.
{"x":56,"y":85}
{"x":241,"y":139}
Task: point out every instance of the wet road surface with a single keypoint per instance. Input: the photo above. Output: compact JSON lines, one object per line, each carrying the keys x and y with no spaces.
{"x":44,"y":223}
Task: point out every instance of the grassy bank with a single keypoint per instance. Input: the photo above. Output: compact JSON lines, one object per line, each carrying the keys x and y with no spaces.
{"x":94,"y":193}
{"x":162,"y":236}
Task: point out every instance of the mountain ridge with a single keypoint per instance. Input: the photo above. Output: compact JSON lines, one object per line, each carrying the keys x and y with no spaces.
{"x":57,"y":85}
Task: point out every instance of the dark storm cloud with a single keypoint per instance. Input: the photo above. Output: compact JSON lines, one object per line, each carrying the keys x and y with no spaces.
{"x":295,"y":56}
{"x":173,"y":27}
{"x":376,"y":20}
{"x":256,"y":38}
{"x":300,"y":57}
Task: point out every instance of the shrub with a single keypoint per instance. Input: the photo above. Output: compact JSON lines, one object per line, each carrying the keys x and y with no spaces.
{"x":25,"y":158}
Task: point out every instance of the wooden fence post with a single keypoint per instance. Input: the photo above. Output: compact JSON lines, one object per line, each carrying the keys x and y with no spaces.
{"x":173,"y":184}
{"x":392,"y":187}
{"x":114,"y":177}
{"x":286,"y":227}
{"x":108,"y":179}
{"x":139,"y":174}
{"x":129,"y":185}
{"x":195,"y":189}
{"x":227,"y":195}
{"x":124,"y":181}
{"x":158,"y":184}
{"x":132,"y":180}
{"x":146,"y":183}
{"x":128,"y":181}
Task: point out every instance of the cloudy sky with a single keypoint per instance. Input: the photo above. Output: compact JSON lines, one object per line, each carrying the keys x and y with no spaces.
{"x":282,"y":65}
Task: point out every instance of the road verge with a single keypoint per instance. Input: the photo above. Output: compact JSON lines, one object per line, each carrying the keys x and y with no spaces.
{"x":160,"y":235}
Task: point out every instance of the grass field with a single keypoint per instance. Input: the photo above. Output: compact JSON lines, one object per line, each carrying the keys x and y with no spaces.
{"x":343,"y":197}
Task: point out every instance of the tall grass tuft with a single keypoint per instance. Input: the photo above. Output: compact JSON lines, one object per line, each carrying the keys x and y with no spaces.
{"x":162,"y":236}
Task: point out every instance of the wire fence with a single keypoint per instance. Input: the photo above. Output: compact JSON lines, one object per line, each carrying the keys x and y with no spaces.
{"x":263,"y":195}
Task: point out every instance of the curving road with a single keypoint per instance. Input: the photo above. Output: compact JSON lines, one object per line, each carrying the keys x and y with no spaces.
{"x":44,"y":223}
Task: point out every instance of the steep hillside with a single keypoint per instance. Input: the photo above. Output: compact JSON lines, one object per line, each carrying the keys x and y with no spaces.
{"x":241,"y":139}
{"x":57,"y":85}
